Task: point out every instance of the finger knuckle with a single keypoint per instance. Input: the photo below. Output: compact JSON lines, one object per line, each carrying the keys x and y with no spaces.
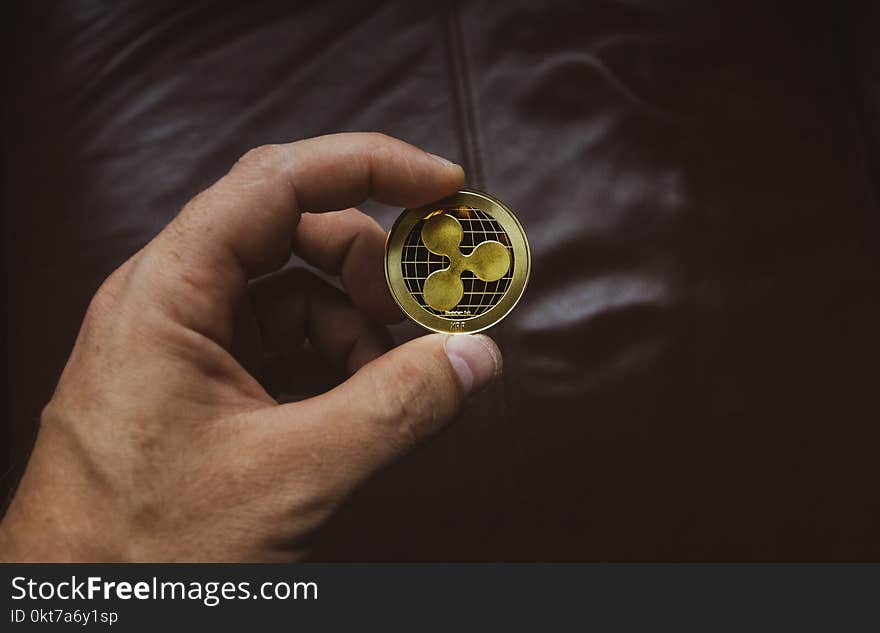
{"x":383,"y":148}
{"x":379,"y":138}
{"x":107,"y":297}
{"x":269,"y":156}
{"x":365,"y":222}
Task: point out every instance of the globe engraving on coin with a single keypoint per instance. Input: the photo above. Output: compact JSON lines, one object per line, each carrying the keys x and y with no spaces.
{"x":459,"y":264}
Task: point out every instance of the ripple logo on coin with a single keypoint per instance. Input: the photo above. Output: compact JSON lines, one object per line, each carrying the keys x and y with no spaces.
{"x":460,"y":264}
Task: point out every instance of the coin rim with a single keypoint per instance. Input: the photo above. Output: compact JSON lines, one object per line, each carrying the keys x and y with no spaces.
{"x":401,"y":229}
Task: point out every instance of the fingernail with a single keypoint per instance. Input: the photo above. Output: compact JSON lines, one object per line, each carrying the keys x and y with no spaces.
{"x":475,"y":358}
{"x":443,"y":161}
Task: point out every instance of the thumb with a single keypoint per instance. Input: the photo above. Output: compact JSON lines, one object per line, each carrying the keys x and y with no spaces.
{"x":395,"y":402}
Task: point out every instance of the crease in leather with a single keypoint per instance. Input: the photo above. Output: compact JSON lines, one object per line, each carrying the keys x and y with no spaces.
{"x":463,"y":97}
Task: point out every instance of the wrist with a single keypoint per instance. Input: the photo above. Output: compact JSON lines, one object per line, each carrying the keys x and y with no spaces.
{"x":53,"y":517}
{"x":29,"y":533}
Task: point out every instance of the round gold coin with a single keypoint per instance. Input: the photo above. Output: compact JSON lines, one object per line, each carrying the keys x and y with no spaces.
{"x":460,"y":264}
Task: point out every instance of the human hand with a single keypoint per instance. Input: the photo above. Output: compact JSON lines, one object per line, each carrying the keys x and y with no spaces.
{"x":159,"y":445}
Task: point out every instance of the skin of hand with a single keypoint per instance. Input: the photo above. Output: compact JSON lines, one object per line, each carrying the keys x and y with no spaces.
{"x":157,"y":444}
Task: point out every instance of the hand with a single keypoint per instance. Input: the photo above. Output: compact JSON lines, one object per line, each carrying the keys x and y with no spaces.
{"x":158,"y":445}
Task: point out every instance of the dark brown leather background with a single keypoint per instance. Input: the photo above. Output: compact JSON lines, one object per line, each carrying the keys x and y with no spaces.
{"x":692,"y":373}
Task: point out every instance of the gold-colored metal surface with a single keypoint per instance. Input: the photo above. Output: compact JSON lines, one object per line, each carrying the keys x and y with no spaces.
{"x":442,"y":235}
{"x":459,"y":264}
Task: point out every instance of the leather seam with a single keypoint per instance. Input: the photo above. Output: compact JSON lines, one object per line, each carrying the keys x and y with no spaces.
{"x":463,"y":98}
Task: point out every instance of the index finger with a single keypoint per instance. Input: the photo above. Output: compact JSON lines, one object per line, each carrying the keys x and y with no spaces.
{"x":242,"y":226}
